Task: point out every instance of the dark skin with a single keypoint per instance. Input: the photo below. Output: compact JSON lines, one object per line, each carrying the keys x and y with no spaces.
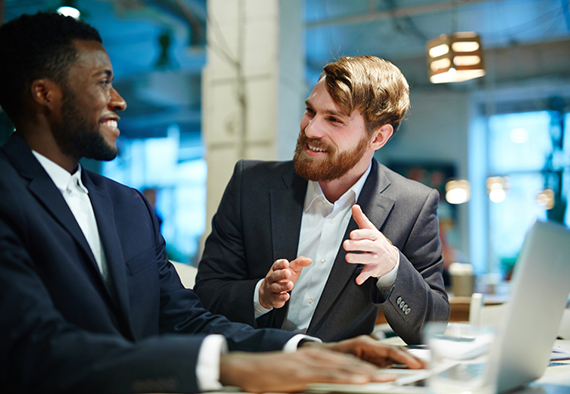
{"x":47,"y":129}
{"x":90,"y":77}
{"x":352,"y":361}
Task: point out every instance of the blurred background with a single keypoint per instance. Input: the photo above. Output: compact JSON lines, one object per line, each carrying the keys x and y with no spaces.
{"x":210,"y":82}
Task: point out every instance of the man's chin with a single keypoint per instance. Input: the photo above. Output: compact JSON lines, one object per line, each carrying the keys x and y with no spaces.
{"x":311,"y":171}
{"x":103,"y":154}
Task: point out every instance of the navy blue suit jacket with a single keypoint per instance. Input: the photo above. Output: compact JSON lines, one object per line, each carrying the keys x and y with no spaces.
{"x":61,"y":328}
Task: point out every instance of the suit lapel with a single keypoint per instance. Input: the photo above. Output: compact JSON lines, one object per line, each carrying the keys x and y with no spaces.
{"x":104,"y":215}
{"x":43,"y":188}
{"x":376,"y":207}
{"x":286,"y":214}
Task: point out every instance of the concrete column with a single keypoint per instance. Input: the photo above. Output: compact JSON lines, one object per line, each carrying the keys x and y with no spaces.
{"x":252,"y":86}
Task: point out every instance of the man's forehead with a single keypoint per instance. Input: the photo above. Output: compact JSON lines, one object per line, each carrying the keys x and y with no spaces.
{"x":92,"y":54}
{"x":321,"y":93}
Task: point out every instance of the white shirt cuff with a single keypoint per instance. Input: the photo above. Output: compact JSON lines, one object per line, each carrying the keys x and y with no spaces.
{"x":386,"y":281}
{"x":257,"y":308}
{"x":293,"y":343}
{"x":208,"y":366}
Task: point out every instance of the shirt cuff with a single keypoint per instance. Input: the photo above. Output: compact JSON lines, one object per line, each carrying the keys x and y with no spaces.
{"x":208,"y":366}
{"x":293,"y":343}
{"x":385,"y":282}
{"x":257,"y":308}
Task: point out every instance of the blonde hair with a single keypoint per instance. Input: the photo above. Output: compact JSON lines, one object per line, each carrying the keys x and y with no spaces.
{"x":373,"y":86}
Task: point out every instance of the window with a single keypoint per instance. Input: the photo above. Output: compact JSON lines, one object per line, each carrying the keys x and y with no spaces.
{"x":525,"y":171}
{"x":173,"y":170}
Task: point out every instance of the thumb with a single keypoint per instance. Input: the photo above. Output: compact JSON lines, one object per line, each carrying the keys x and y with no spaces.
{"x":299,"y":263}
{"x":360,"y":218}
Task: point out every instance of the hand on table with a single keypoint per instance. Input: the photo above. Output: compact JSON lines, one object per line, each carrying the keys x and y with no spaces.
{"x":281,"y":278}
{"x":288,"y":372}
{"x":372,"y":351}
{"x":376,"y":252}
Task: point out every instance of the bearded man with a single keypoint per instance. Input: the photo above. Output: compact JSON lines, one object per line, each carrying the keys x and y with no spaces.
{"x":319,"y":244}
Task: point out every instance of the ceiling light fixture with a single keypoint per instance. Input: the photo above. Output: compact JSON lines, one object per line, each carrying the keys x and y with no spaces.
{"x":457,"y":191}
{"x":455,"y":57}
{"x":68,"y":8}
{"x":497,"y":188}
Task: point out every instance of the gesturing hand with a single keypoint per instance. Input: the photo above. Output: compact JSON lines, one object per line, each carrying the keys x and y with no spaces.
{"x":375,"y":250}
{"x":281,"y":278}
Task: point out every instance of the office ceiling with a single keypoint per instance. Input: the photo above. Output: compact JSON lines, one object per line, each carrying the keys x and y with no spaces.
{"x":165,"y":90}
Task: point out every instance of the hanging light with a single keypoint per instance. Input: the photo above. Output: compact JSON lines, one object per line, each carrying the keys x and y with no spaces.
{"x":457,"y":191}
{"x":497,"y":188}
{"x":164,"y":61}
{"x":455,"y":57}
{"x":546,"y":199}
{"x":68,"y":8}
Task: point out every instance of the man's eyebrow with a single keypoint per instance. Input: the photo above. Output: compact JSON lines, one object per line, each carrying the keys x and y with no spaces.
{"x":328,"y":111}
{"x":107,"y":73}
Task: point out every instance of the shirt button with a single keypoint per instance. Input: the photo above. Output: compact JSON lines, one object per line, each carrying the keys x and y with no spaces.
{"x":311,"y":301}
{"x":399,"y":300}
{"x":331,"y":221}
{"x":323,"y":261}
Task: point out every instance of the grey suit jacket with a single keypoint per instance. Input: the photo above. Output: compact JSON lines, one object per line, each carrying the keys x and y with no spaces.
{"x":259,"y":220}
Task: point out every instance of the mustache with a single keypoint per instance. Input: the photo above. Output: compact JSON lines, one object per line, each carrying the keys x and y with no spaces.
{"x":314,"y":142}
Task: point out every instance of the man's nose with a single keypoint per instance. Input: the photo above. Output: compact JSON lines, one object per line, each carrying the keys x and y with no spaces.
{"x":117,"y":102}
{"x":314,"y":128}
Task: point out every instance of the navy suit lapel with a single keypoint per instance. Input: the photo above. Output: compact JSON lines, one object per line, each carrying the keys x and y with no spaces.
{"x":286,"y":214}
{"x":105,"y":217}
{"x":43,"y":188}
{"x":376,"y":207}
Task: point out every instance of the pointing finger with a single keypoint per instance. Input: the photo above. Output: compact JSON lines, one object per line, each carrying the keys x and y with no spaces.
{"x":360,"y":218}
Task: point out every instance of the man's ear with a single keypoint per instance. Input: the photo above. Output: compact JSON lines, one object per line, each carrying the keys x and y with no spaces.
{"x":381,"y":136}
{"x":46,"y":93}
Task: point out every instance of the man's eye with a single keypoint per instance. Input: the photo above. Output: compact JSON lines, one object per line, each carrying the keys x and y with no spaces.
{"x":309,"y":111}
{"x":335,"y":120}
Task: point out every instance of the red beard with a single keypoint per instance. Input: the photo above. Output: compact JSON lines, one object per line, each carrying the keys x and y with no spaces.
{"x":332,"y":166}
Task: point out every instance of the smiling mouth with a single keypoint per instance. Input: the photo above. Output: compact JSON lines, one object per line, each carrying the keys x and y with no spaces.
{"x":315,"y":149}
{"x":111,"y":123}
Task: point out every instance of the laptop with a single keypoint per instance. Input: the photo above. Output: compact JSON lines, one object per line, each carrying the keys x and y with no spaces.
{"x":538,"y":295}
{"x":523,"y":345}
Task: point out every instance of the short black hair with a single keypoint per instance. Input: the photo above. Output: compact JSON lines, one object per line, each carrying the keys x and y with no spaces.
{"x":37,"y":46}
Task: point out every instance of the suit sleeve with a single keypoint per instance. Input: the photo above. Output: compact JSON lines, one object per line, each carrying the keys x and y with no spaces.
{"x":418,"y":295}
{"x":223,"y":282}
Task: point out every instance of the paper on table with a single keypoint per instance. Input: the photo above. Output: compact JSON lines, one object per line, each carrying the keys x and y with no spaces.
{"x":370,"y":388}
{"x":404,"y":377}
{"x":559,"y":354}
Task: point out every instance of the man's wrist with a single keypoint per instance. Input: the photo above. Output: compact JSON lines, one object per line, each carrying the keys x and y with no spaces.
{"x":208,"y":363}
{"x":258,"y":309}
{"x":297,"y":341}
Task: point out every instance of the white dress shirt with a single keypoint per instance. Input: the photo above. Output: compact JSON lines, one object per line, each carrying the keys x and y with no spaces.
{"x":76,"y":196}
{"x":322,"y":230}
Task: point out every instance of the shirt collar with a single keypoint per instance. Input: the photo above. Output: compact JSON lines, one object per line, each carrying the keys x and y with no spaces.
{"x":314,"y":191}
{"x":61,"y":177}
